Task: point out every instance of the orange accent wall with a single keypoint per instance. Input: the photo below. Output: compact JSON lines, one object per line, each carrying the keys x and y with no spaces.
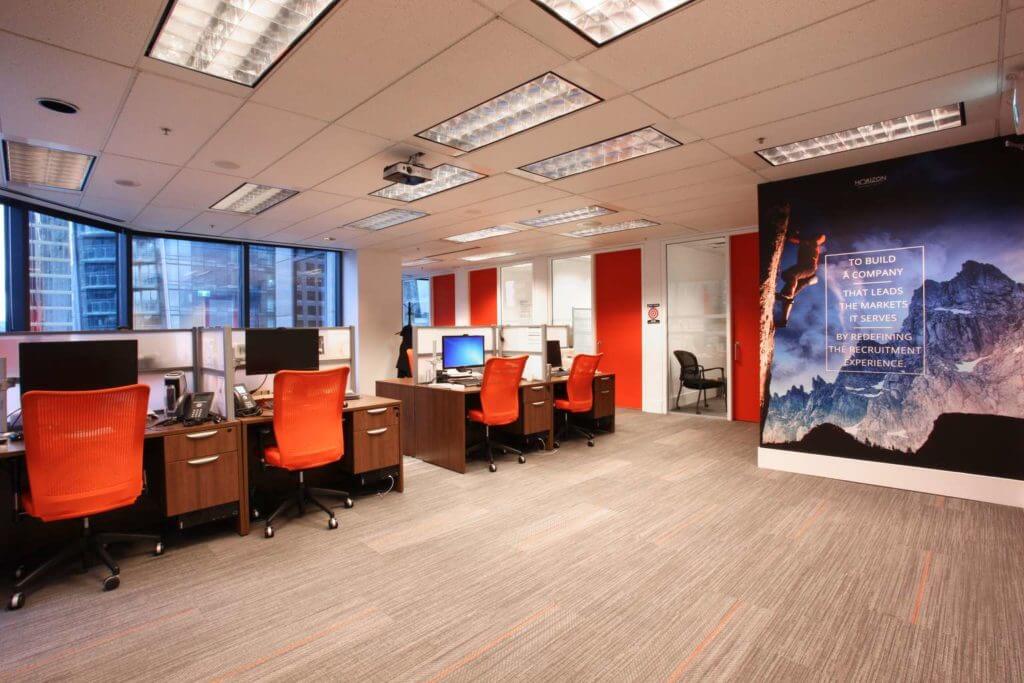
{"x":745,"y":310}
{"x":442,"y":300}
{"x":619,"y":321}
{"x":483,"y":297}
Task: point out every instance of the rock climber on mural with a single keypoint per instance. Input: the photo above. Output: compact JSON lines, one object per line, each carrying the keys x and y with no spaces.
{"x":803,"y":273}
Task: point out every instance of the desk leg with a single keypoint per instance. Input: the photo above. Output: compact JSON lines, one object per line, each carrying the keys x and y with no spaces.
{"x":243,"y":482}
{"x":400,"y":484}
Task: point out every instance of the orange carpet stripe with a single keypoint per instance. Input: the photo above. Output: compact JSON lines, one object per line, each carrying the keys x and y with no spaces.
{"x":922,"y":584}
{"x":685,"y":664}
{"x":483,"y":649}
{"x":810,"y":520}
{"x":695,"y":517}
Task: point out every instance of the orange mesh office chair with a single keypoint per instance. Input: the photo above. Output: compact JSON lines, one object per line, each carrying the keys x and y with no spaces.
{"x":308,"y":431}
{"x":83,"y":454}
{"x":412,"y":363}
{"x":579,"y":394}
{"x":499,"y":402}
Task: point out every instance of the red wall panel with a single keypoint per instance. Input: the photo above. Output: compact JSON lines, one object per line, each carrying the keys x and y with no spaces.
{"x":619,"y":321}
{"x":442,"y":300}
{"x":483,"y":297}
{"x":745,"y":311}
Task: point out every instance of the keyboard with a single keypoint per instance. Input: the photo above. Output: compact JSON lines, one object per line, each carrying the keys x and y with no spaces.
{"x":465,"y":381}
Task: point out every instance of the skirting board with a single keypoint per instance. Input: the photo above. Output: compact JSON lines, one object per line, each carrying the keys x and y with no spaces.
{"x":940,"y":482}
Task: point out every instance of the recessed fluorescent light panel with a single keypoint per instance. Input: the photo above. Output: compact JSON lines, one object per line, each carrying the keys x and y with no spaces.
{"x":543,"y":99}
{"x":605,"y":153}
{"x":46,"y":167}
{"x":600,"y":21}
{"x":253,"y":199}
{"x":446,"y":177}
{"x":566,"y":216}
{"x":488,"y":256}
{"x":238,"y":40}
{"x":911,"y":125}
{"x":483,"y":234}
{"x":386,"y":219}
{"x":419,"y":262}
{"x":595,"y":230}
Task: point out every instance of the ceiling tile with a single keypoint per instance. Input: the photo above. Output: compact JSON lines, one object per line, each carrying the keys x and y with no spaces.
{"x":530,"y":17}
{"x":116,"y":209}
{"x":326,"y":154}
{"x":724,"y":170}
{"x":32,"y":70}
{"x":471,"y":193}
{"x":362,"y":47}
{"x":212,"y":223}
{"x":300,"y":207}
{"x":1014,"y":32}
{"x":253,"y":139}
{"x":193,"y":114}
{"x":195,"y":189}
{"x":56,"y":197}
{"x":150,"y":176}
{"x":163,"y":218}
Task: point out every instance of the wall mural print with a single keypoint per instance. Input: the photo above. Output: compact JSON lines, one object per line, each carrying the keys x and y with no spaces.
{"x":892,"y":311}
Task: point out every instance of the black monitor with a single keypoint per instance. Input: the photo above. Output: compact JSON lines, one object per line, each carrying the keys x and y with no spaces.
{"x":270,"y":350}
{"x":464,"y":351}
{"x":554,"y":353}
{"x":78,"y":365}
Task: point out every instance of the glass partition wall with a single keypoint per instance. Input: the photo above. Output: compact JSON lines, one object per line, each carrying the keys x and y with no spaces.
{"x":572,"y":301}
{"x":517,"y":294}
{"x":697,"y":277}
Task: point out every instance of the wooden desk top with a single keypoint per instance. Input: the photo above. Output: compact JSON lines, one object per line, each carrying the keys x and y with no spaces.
{"x":356,"y":404}
{"x":410,"y":382}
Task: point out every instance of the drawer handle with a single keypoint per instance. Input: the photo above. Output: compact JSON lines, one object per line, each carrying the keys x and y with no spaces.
{"x":604,"y":379}
{"x":539,"y":403}
{"x":607,"y":391}
{"x":204,"y":461}
{"x":377,"y":432}
{"x":201,"y":435}
{"x":376,"y":411}
{"x":536,"y":388}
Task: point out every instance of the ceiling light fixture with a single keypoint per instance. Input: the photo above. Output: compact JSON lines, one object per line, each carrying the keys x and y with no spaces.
{"x":526,"y":106}
{"x":600,"y":154}
{"x":234,"y":40}
{"x":495,"y":231}
{"x":569,"y":216}
{"x":253,"y":199}
{"x":58,"y":106}
{"x":595,"y":230}
{"x":386,"y":219}
{"x":446,"y":177}
{"x":899,"y":128}
{"x":601,"y":21}
{"x":419,"y":262}
{"x":489,"y":255}
{"x":45,"y":166}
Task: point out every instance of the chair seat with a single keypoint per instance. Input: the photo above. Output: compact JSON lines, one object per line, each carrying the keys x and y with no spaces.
{"x":703,"y":383}
{"x":79,"y":506}
{"x":272,"y":456}
{"x":572,"y":407}
{"x":477,"y":415}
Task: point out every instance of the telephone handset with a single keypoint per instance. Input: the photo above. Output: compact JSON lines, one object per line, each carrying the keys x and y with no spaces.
{"x":190,"y":409}
{"x":245,"y":406}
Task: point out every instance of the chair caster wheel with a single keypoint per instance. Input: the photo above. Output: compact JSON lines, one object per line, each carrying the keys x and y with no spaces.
{"x":268,"y":532}
{"x":19,"y":572}
{"x":349,"y":503}
{"x":158,"y":549}
{"x":590,"y":443}
{"x":554,"y":445}
{"x":332,"y":523}
{"x":17,"y":601}
{"x":522,"y":459}
{"x":493,"y":467}
{"x":111,"y":582}
{"x":255,"y":514}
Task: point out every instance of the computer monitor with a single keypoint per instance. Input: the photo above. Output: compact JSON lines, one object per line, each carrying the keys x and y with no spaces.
{"x":554,"y":353}
{"x":78,"y":365}
{"x":465,"y":351}
{"x":270,"y":350}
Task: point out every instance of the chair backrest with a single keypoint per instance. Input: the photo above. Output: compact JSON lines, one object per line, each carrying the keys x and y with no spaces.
{"x":84,"y":448}
{"x":412,"y":363}
{"x":499,"y":391}
{"x":580,"y":385}
{"x":307,"y":413}
{"x":688,"y":364}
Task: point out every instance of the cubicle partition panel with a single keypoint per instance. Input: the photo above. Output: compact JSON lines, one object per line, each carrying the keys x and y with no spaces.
{"x":426,"y":345}
{"x":525,"y":340}
{"x":216,"y":363}
{"x":336,"y":350}
{"x":160,"y":351}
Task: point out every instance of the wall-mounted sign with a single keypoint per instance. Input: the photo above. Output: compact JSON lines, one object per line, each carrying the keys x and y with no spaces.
{"x":652,"y":314}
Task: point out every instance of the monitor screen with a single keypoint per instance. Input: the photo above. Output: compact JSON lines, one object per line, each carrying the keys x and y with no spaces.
{"x":466,"y":351}
{"x":78,"y":365}
{"x":554,"y":353}
{"x":270,"y":350}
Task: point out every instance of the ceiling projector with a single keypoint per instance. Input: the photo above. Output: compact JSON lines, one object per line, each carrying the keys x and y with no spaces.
{"x":408,"y":172}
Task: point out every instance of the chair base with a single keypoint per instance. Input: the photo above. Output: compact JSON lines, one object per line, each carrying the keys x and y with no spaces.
{"x":307,"y":494}
{"x":86,"y":546}
{"x":569,"y":427}
{"x":700,"y":393}
{"x":489,"y":446}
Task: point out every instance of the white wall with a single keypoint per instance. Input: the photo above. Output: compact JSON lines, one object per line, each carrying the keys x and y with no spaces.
{"x":462,"y":297}
{"x":655,"y":344}
{"x":373,"y":304}
{"x":541,"y":288}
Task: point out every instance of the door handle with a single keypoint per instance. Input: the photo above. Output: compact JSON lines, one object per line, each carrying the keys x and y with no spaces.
{"x":536,"y":388}
{"x":735,"y":351}
{"x":607,"y":391}
{"x":201,"y":435}
{"x":377,"y":432}
{"x":204,"y":461}
{"x":376,"y":411}
{"x":539,"y":403}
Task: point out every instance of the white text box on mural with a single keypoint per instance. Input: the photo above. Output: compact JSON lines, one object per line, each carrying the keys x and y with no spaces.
{"x":872,"y":317}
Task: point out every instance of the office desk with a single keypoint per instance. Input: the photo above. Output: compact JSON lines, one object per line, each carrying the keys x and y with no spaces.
{"x":372,"y":431}
{"x":433,"y":418}
{"x":201,"y":467}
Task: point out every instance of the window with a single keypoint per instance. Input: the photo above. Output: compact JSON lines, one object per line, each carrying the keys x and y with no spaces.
{"x":571,"y":298}
{"x":179,"y":283}
{"x":416,"y":291}
{"x":3,"y":268}
{"x":517,"y":294}
{"x":292,"y":287}
{"x":72,"y":275}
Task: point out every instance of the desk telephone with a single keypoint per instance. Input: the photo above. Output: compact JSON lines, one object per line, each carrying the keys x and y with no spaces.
{"x":245,"y":406}
{"x":191,"y":409}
